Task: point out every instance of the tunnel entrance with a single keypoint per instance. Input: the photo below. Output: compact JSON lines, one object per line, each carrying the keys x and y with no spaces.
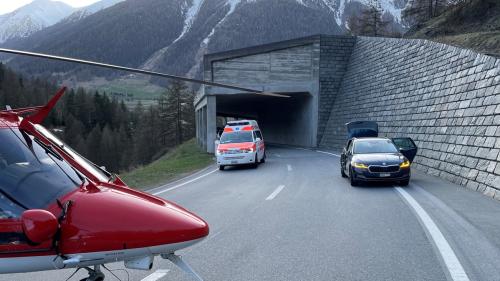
{"x":286,"y":121}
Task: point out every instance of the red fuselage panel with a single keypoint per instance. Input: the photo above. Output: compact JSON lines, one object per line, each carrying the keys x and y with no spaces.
{"x":113,"y":220}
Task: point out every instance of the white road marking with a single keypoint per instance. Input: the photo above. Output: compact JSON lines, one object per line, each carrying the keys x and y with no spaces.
{"x":156,"y":275}
{"x":275,"y":192}
{"x":184,"y":183}
{"x":451,"y":261}
{"x":289,"y":167}
{"x":178,"y":180}
{"x":329,"y":153}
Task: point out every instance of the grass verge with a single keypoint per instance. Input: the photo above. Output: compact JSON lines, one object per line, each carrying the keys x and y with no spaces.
{"x":182,"y":160}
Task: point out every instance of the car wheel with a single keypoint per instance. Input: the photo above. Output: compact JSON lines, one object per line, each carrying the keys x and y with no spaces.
{"x":342,"y":173}
{"x":263,"y":160}
{"x":405,"y":182}
{"x":256,"y":162}
{"x":354,"y":182}
{"x":221,"y":167}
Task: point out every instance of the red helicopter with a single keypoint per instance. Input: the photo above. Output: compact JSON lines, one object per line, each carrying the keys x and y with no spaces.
{"x":58,"y":210}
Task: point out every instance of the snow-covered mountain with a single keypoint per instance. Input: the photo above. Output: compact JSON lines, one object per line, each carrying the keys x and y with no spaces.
{"x":342,"y":9}
{"x":41,"y":14}
{"x":89,"y":10}
{"x":173,"y":35}
{"x":31,"y":18}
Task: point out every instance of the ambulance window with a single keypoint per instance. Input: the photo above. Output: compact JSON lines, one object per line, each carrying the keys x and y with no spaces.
{"x":236,"y":137}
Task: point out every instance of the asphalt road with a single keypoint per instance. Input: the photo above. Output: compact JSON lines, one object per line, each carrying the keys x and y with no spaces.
{"x":295,"y":218}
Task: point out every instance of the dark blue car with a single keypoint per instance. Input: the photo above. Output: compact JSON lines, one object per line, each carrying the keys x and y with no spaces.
{"x":369,"y":158}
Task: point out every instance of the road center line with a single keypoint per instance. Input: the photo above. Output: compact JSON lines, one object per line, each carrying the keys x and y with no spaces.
{"x":289,"y":167}
{"x":329,"y":153}
{"x":451,"y":261}
{"x":156,"y":275}
{"x":275,"y":193}
{"x":184,"y":183}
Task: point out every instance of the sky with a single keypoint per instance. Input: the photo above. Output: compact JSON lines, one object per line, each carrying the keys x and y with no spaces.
{"x":7,"y":6}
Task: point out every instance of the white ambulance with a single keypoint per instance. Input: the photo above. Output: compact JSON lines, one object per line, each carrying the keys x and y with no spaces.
{"x":241,"y":143}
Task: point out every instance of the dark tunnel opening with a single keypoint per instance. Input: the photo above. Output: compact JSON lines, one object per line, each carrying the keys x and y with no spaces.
{"x":286,"y":121}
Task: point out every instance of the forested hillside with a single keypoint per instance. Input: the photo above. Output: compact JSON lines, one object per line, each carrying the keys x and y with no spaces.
{"x":126,"y":34}
{"x":104,"y":129}
{"x":170,"y":36}
{"x":473,"y":24}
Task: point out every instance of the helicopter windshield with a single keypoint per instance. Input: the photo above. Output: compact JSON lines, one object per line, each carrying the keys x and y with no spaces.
{"x":32,"y":175}
{"x":101,"y":174}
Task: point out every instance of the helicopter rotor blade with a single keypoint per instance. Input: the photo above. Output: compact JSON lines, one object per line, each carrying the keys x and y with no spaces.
{"x":136,"y":70}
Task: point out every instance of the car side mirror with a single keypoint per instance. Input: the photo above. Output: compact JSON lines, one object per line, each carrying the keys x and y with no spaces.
{"x":257,"y":139}
{"x":39,"y":225}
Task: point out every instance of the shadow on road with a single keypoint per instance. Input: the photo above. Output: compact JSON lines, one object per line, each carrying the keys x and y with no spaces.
{"x":387,"y":184}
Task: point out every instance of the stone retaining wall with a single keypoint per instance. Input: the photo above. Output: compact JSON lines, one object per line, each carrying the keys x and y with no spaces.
{"x":446,"y":98}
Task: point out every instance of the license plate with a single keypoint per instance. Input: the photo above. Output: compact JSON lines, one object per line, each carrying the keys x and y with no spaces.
{"x":234,"y":162}
{"x":385,"y":175}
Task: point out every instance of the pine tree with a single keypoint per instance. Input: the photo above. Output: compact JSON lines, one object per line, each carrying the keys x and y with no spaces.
{"x":420,"y":11}
{"x":102,"y":129}
{"x":176,"y":113}
{"x":73,"y":131}
{"x":109,"y":154}
{"x":147,"y":137}
{"x":94,"y":151}
{"x":370,"y":22}
{"x":125,"y":146}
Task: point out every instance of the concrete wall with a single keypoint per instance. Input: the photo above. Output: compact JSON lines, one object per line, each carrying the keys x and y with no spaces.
{"x":290,"y":67}
{"x":335,"y":52}
{"x":287,"y":66}
{"x":447,"y":99}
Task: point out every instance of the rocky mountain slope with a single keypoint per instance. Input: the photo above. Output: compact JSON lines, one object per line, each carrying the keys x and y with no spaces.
{"x":474,"y":25}
{"x":89,"y":10}
{"x":173,"y":35}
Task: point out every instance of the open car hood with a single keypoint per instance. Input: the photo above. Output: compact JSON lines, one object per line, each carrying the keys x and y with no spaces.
{"x":362,"y":129}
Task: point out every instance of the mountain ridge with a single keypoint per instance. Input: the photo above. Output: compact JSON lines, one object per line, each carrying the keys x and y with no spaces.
{"x":184,"y":30}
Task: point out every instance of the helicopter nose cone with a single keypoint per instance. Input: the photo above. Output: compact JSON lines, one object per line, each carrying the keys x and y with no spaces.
{"x":184,"y":224}
{"x":120,"y":219}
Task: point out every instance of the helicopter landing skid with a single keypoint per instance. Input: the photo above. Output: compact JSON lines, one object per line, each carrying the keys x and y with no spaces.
{"x":94,"y":274}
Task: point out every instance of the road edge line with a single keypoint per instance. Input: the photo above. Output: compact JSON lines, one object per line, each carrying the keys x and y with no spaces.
{"x":453,"y":265}
{"x":158,"y":274}
{"x":329,"y":153}
{"x":184,"y":183}
{"x":179,"y":180}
